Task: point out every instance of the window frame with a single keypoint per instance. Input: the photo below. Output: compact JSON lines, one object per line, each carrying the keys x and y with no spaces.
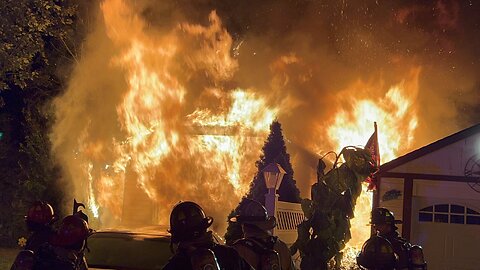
{"x":467,"y":213}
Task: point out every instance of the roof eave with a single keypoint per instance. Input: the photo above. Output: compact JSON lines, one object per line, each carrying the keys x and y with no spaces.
{"x":429,"y":148}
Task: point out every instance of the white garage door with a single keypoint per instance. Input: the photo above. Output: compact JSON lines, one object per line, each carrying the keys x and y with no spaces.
{"x":449,"y":232}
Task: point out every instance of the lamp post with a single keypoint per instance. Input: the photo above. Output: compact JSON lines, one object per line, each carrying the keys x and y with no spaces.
{"x":273,"y":174}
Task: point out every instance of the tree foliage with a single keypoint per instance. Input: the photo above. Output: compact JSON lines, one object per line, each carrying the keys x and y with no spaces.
{"x":274,"y":151}
{"x":35,"y":53}
{"x":326,"y":229}
{"x":32,"y":30}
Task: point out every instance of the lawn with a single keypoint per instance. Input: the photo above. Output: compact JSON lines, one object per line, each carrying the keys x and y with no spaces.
{"x":7,"y":255}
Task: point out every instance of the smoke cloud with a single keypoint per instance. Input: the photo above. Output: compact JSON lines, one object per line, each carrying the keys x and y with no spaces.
{"x":305,"y":59}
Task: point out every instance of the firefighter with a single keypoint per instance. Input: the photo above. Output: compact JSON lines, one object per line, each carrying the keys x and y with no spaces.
{"x":377,"y":254}
{"x":39,"y":221}
{"x":65,"y":250}
{"x":193,"y":246}
{"x":259,"y":247}
{"x":409,"y":257}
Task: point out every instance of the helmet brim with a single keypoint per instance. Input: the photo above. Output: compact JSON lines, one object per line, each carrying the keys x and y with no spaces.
{"x":208,"y":222}
{"x":178,"y":236}
{"x":268,"y":224}
{"x":396,"y":221}
{"x":205,"y":224}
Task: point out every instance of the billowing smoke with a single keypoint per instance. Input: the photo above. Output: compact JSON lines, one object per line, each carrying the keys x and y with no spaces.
{"x":153,"y":105}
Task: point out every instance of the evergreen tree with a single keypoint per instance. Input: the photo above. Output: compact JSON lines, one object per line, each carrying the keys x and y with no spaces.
{"x":273,"y":151}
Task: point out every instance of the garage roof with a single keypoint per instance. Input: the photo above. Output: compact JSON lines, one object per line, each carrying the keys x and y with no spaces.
{"x":430,"y":148}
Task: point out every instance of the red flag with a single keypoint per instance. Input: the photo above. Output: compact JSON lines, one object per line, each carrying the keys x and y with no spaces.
{"x":372,"y":147}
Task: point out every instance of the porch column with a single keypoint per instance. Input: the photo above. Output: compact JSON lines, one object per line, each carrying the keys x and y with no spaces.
{"x":407,"y":207}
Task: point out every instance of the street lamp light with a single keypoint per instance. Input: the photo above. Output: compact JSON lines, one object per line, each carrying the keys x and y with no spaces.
{"x":273,"y":174}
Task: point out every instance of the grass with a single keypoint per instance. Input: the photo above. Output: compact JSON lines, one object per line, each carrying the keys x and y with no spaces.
{"x":7,"y":256}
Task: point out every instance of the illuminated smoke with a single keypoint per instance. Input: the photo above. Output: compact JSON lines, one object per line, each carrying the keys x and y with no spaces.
{"x":146,"y":133}
{"x":159,"y":96}
{"x":396,"y":117}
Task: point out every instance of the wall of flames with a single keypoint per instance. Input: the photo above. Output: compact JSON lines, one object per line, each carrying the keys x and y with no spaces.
{"x":147,"y":127}
{"x":160,"y":107}
{"x":396,"y":115}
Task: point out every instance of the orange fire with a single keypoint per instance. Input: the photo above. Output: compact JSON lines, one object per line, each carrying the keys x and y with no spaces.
{"x":177,"y":135}
{"x":173,"y":148}
{"x":395,"y":114}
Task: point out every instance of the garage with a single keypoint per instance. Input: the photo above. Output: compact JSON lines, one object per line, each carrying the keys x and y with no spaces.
{"x":435,"y":190}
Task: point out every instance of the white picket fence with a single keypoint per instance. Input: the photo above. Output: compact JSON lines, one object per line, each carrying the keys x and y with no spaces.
{"x":288,"y":216}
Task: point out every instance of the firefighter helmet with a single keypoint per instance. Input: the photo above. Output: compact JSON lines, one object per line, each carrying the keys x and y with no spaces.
{"x":24,"y":260}
{"x":417,"y":260}
{"x":73,"y":232}
{"x":188,"y":221}
{"x":377,"y":254}
{"x":382,"y":215}
{"x":40,"y":213}
{"x":254,"y":213}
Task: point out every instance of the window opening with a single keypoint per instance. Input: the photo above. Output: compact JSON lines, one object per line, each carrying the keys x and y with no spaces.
{"x":449,"y":213}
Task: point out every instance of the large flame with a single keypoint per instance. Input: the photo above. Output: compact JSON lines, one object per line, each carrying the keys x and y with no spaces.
{"x":171,"y":146}
{"x":176,"y":131}
{"x":395,"y":114}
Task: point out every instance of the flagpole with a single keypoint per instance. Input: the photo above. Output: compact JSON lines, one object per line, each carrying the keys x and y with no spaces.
{"x":376,"y":191}
{"x":376,"y":142}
